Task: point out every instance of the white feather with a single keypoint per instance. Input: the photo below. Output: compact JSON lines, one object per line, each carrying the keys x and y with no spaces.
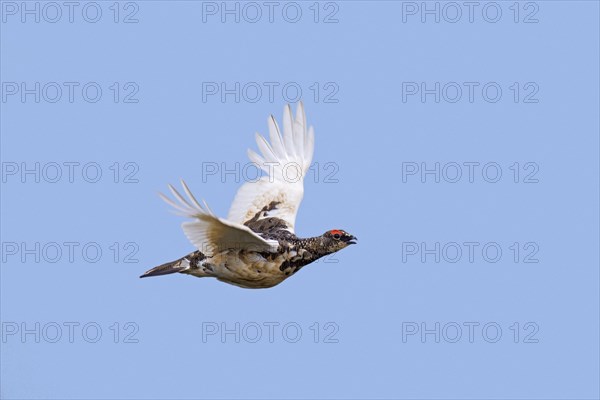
{"x":284,"y":158}
{"x":276,"y":139}
{"x":280,"y":159}
{"x":211,"y":234}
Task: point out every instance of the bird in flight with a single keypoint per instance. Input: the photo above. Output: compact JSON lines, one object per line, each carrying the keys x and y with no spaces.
{"x":256,"y":247}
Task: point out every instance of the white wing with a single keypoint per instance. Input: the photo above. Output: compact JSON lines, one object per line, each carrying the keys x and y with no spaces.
{"x":211,"y":234}
{"x":286,"y":159}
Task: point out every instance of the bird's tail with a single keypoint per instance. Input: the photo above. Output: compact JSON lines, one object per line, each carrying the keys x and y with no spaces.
{"x":168,"y":268}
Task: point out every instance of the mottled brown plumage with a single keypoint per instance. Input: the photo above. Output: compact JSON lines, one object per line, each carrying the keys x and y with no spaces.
{"x":259,"y":269}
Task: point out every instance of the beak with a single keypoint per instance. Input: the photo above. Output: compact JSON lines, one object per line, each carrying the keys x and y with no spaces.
{"x":351,"y":240}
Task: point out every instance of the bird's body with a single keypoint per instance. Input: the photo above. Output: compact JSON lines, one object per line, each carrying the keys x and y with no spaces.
{"x":256,"y":247}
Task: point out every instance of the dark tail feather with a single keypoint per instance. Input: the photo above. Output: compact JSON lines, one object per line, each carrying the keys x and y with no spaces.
{"x":167,"y":268}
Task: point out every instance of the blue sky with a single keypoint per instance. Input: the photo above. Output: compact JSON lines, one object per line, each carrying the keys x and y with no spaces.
{"x":462,"y":153}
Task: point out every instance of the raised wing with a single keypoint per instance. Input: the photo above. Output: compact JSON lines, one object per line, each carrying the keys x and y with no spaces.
{"x":286,"y":159}
{"x":211,"y":234}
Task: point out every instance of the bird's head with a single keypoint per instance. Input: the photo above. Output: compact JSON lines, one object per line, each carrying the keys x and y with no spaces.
{"x":337,"y":239}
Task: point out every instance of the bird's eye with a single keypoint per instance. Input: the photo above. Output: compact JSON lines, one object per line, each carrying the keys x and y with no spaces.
{"x":336,"y":236}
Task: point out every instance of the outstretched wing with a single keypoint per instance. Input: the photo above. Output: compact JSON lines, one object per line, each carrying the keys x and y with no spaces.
{"x":285,"y":159}
{"x":211,"y":234}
